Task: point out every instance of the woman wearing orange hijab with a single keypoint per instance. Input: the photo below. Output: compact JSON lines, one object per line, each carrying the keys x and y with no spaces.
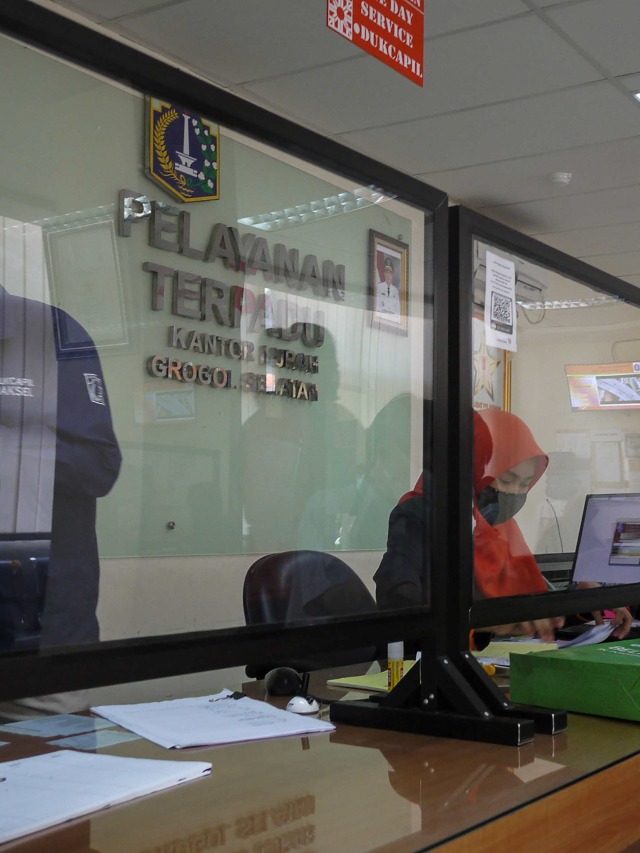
{"x":504,"y":565}
{"x":507,"y":464}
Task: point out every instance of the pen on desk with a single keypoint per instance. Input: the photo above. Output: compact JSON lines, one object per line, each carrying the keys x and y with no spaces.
{"x":395,"y":663}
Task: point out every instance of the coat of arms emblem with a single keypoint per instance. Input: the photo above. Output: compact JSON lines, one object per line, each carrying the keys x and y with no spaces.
{"x":183,"y":151}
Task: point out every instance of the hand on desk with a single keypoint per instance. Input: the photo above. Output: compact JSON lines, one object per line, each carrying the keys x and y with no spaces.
{"x":623,"y":617}
{"x":544,"y":629}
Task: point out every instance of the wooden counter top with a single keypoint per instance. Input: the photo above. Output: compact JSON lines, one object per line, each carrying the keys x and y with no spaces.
{"x":369,"y":790}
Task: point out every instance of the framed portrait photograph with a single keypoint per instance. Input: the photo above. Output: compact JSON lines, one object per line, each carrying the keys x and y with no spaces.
{"x":491,"y":370}
{"x":388,"y":282}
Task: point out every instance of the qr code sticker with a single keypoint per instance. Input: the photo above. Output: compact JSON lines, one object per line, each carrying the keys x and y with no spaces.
{"x":501,"y":313}
{"x":340,"y":17}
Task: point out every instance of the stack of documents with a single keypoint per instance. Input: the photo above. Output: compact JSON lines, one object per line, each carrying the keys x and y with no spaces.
{"x":498,"y":652}
{"x":209,"y":720}
{"x":39,"y":792}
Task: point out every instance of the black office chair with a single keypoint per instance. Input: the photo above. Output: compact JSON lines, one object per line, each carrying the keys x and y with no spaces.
{"x":295,"y":586}
{"x":24,"y":566}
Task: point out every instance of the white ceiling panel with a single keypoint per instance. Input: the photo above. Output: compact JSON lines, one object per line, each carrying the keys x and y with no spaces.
{"x":441,"y":16}
{"x":595,"y":167}
{"x":372,"y":97}
{"x":631,"y":82}
{"x":592,"y":242}
{"x":586,"y":210}
{"x":105,"y":10}
{"x":528,"y":126}
{"x":265,"y":39}
{"x":444,"y":16}
{"x":606,"y":30}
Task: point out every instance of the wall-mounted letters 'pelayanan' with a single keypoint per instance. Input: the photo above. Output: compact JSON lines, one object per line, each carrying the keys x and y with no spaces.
{"x":170,"y":229}
{"x":204,"y":299}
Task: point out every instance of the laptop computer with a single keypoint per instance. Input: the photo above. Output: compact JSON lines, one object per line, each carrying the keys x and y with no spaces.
{"x":608,"y":547}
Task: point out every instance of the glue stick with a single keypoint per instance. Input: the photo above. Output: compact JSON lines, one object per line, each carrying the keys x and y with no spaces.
{"x":395,"y":663}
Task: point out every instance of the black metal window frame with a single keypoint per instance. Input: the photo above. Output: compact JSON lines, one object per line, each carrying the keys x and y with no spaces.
{"x":116,"y":662}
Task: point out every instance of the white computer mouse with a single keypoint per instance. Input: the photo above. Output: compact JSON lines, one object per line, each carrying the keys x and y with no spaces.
{"x":303,"y":705}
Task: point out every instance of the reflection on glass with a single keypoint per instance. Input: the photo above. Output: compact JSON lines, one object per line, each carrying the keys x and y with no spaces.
{"x":402,"y":574}
{"x":59,"y":454}
{"x":259,"y":403}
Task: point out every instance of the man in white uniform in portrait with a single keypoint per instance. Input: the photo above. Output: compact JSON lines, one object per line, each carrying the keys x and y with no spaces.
{"x":387,"y":291}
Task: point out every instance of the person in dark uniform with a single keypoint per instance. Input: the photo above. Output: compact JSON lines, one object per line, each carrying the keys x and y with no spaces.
{"x":59,"y":453}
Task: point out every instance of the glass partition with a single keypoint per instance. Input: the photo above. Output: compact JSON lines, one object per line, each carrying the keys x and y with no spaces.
{"x":213,"y":351}
{"x":555,"y":371}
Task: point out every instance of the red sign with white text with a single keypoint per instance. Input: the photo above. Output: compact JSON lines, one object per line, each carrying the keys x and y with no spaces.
{"x":390,"y":30}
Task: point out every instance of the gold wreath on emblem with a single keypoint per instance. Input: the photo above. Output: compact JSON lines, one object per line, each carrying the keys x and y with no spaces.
{"x":166,"y":163}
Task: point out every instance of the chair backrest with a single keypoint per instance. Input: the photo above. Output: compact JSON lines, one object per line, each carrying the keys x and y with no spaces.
{"x":295,"y":586}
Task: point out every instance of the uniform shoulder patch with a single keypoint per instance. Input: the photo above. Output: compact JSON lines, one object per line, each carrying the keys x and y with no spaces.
{"x":95,"y":388}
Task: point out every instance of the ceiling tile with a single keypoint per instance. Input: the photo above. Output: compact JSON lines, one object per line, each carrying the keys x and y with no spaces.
{"x":591,"y":242}
{"x":594,"y":113}
{"x":371,"y":94}
{"x":631,"y":82}
{"x":584,"y":210}
{"x":594,"y":167}
{"x":233,"y":47}
{"x":607,"y":29}
{"x":105,"y":10}
{"x":442,"y":16}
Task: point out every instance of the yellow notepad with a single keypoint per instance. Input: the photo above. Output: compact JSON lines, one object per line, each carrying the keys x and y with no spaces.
{"x":373,"y":682}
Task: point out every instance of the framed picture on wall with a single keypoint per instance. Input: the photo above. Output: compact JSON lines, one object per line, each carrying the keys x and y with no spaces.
{"x":491,"y":370}
{"x":388,"y":282}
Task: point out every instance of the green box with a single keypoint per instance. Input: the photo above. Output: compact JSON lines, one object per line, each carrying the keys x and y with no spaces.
{"x":601,"y":679}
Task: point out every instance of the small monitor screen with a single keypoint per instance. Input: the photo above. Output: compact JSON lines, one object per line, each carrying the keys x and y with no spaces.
{"x":597,"y":387}
{"x":608,"y":549}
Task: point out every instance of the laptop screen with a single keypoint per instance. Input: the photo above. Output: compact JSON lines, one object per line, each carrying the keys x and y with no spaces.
{"x":608,"y":549}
